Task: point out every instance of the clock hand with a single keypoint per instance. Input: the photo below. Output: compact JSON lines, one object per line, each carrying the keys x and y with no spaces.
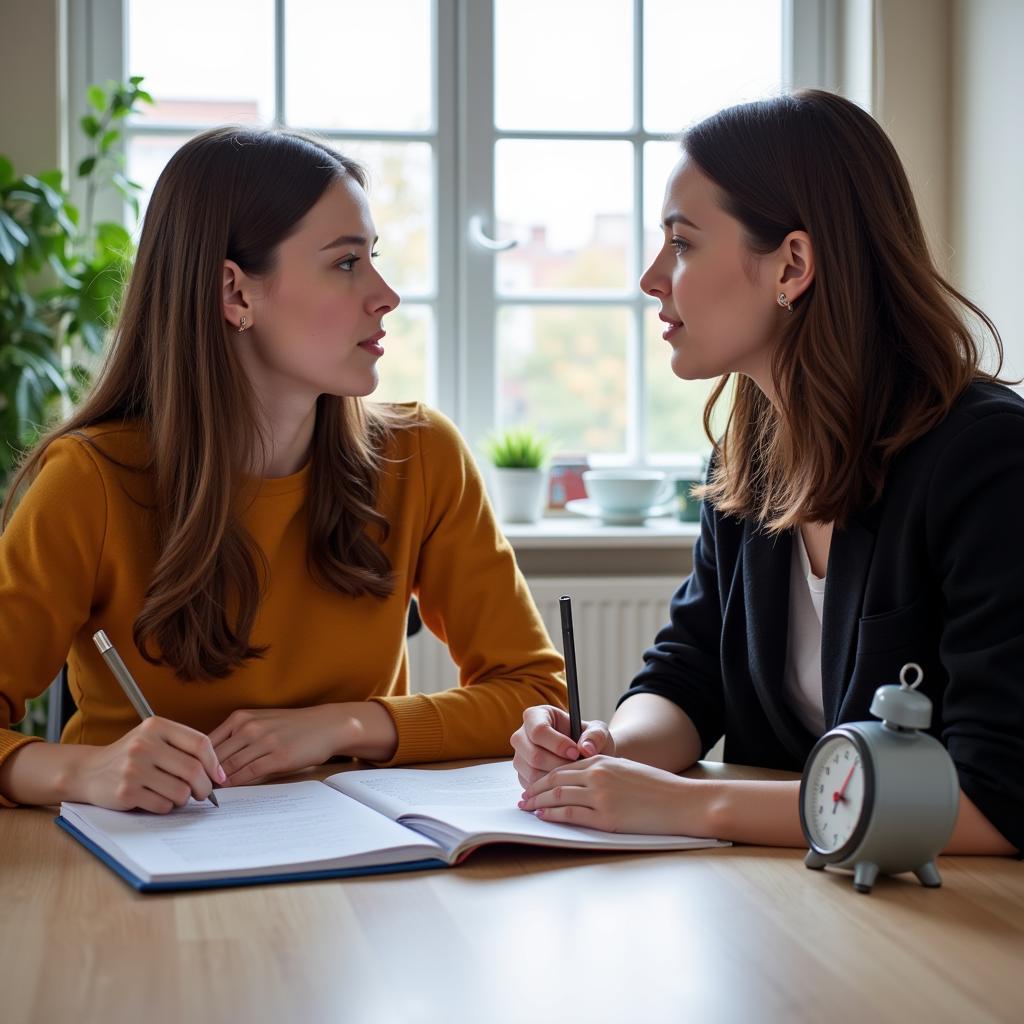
{"x":838,"y":794}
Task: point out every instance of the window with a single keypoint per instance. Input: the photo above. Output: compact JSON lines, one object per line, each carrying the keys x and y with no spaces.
{"x":517,"y":152}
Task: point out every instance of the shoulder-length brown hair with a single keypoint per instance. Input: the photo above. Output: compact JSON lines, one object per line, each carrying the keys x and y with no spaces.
{"x":877,"y":349}
{"x":229,"y":193}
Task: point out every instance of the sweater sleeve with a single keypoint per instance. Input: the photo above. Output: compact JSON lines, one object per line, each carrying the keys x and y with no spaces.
{"x":474,"y":598}
{"x":49,"y":558}
{"x":975,"y":498}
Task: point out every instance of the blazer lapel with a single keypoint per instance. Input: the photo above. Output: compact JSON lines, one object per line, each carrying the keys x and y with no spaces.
{"x":848,"y":563}
{"x":766,"y":566}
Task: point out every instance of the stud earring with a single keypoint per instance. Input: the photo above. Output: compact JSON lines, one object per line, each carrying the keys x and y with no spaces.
{"x":784,"y":302}
{"x":241,"y":325}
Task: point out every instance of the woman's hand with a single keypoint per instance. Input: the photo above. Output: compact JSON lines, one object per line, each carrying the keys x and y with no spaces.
{"x":155,"y":767}
{"x":254,"y":744}
{"x":616,"y":795}
{"x":542,"y":742}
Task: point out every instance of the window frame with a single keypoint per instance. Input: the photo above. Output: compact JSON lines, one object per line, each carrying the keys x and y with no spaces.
{"x":465,"y":300}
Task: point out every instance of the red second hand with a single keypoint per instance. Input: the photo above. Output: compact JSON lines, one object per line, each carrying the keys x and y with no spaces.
{"x":838,"y":794}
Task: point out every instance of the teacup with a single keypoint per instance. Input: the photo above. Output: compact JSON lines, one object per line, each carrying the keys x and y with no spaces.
{"x":627,"y":494}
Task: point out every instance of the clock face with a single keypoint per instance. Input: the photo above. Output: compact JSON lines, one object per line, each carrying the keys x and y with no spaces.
{"x":833,"y":794}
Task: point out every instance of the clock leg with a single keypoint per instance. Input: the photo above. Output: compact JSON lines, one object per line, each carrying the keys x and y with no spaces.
{"x":815,"y":860}
{"x":864,"y":876}
{"x":928,"y":874}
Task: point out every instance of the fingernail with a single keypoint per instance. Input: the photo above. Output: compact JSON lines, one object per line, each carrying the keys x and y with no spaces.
{"x":220,"y":774}
{"x":572,"y":753}
{"x":588,"y":748}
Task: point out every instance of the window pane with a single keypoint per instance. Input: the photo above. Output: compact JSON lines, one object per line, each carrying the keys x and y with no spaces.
{"x":700,"y":57}
{"x":401,"y":192}
{"x":570,"y":206}
{"x":147,"y":157}
{"x":659,"y":159}
{"x":563,"y":371}
{"x":356,"y":65}
{"x":565,"y":65}
{"x":204,"y":63}
{"x":675,"y":408}
{"x":408,"y":347}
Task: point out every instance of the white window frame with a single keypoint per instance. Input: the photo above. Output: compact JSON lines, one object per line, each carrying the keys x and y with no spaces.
{"x":463,"y":364}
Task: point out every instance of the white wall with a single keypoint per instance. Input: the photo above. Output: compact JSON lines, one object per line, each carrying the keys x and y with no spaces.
{"x":987,"y":164}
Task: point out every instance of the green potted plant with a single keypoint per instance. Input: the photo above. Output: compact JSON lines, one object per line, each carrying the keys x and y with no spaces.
{"x":61,"y":276}
{"x":519,"y":457}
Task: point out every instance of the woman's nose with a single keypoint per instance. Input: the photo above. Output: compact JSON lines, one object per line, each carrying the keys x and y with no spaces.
{"x":653,"y":281}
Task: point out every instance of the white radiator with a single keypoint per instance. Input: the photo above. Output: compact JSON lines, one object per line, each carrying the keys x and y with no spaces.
{"x":614,"y":618}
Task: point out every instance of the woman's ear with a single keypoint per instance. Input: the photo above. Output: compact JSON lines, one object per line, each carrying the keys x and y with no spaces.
{"x":796,"y":265}
{"x":235,"y":296}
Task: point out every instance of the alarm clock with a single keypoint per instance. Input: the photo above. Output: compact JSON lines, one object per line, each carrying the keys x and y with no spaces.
{"x":881,"y":796}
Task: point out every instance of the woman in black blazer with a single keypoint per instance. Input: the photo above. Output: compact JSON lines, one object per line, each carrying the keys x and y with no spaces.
{"x":864,"y":506}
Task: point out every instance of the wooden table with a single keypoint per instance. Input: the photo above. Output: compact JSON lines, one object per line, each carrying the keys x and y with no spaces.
{"x":514,"y":934}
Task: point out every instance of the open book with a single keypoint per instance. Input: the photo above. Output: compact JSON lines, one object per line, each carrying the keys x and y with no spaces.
{"x":356,"y":822}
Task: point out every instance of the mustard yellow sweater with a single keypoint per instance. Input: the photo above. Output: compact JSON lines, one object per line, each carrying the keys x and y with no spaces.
{"x":78,"y":555}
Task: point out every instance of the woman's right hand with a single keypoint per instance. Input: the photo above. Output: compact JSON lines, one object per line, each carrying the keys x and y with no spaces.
{"x":155,"y":767}
{"x":542,"y":742}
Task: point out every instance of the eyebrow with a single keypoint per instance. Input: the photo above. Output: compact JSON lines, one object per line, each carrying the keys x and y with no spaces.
{"x":678,"y":218}
{"x":346,"y":240}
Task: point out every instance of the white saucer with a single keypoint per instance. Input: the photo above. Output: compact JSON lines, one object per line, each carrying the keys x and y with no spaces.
{"x":586,"y":507}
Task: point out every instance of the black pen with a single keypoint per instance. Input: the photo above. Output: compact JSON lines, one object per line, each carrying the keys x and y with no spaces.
{"x":128,"y":684}
{"x":569,"y":650}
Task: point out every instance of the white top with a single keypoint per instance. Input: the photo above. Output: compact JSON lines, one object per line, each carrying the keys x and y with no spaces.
{"x":802,"y":682}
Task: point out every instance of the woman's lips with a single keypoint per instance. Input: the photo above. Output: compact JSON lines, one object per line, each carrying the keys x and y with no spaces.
{"x":373,"y":345}
{"x":673,"y":326}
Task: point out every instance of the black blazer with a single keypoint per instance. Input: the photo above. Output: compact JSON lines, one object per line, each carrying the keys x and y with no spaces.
{"x":932,"y":573}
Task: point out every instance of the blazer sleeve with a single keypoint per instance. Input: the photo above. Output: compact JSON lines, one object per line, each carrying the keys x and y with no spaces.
{"x":975,"y":505}
{"x":474,"y":598}
{"x":684,"y":665}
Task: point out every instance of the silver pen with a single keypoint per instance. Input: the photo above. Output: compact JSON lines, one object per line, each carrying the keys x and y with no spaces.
{"x":124,"y":677}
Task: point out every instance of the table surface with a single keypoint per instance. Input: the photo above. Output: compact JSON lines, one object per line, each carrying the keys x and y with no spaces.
{"x":512,"y":934}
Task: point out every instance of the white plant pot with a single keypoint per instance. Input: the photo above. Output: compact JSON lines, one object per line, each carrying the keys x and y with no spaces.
{"x":519,"y":494}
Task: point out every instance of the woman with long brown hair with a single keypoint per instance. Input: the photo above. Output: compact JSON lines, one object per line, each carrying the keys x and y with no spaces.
{"x":862,"y":506}
{"x":245,"y":528}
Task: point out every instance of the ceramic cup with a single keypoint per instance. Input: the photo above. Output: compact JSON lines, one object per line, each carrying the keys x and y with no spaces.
{"x":627,"y":492}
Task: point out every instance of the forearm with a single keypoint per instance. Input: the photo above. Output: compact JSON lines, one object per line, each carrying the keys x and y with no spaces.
{"x":366,"y":731}
{"x":654,"y":731}
{"x":43,"y":773}
{"x":767,"y":814}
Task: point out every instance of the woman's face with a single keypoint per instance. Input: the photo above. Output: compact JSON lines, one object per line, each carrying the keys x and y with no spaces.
{"x":316,"y":318}
{"x":718,"y":299}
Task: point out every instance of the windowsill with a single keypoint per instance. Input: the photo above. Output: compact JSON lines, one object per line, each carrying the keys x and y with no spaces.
{"x":565,"y":533}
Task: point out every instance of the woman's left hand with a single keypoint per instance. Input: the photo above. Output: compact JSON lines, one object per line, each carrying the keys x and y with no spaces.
{"x":616,"y":795}
{"x":251,"y":745}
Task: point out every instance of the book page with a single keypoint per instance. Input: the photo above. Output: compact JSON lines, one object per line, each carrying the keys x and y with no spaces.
{"x":397,"y":791}
{"x":255,"y":829}
{"x":479,"y":802}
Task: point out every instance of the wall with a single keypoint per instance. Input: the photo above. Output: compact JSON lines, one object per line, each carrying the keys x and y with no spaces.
{"x":986,"y":208}
{"x":912,"y":97}
{"x":32,"y":132}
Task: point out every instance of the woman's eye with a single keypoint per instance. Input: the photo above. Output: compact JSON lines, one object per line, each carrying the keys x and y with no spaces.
{"x":347,"y":263}
{"x":680,"y":245}
{"x":374,"y":255}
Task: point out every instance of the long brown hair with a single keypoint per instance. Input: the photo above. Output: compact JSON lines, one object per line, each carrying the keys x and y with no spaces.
{"x":228,"y":193}
{"x":877,"y":349}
